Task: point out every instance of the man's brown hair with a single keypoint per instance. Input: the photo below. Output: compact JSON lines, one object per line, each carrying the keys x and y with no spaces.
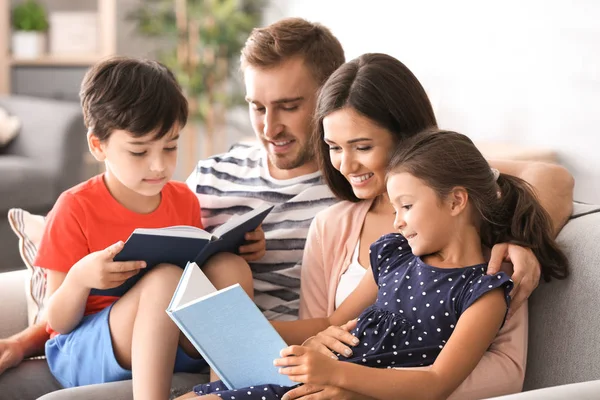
{"x":138,"y":96}
{"x":294,"y":37}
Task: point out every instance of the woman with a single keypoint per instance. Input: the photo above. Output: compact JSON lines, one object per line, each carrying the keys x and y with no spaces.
{"x":364,"y":110}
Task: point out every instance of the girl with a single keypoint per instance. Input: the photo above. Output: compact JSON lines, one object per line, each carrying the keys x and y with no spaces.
{"x":427,"y":299}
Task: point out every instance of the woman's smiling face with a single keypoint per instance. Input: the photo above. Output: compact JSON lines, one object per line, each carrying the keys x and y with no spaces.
{"x":359,"y":149}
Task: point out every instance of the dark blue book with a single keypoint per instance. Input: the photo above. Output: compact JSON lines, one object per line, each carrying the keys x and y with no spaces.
{"x":228,"y":330}
{"x":182,"y":244}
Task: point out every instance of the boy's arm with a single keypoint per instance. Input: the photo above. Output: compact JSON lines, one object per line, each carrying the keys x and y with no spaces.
{"x":552,"y":183}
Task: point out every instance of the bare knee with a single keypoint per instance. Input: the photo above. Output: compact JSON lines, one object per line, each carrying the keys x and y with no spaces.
{"x":226,"y":269}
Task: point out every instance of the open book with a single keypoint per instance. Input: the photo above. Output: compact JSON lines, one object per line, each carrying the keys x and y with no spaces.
{"x":228,"y":330}
{"x":182,"y":244}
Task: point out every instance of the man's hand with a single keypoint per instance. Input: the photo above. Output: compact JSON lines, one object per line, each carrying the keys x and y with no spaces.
{"x":305,"y":365}
{"x":97,"y":270}
{"x":526,"y":271}
{"x":257,"y":247}
{"x":334,"y":339}
{"x":317,"y":392}
{"x":11,"y":354}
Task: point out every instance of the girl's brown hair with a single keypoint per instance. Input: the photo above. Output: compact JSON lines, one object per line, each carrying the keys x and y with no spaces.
{"x":506,"y":209}
{"x":382,"y":89}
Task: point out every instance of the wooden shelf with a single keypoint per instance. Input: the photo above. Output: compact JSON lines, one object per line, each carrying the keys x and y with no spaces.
{"x":107,"y":42}
{"x":63,"y":61}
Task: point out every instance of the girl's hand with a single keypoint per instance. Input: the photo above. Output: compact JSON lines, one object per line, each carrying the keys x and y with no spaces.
{"x":305,"y":365}
{"x":334,"y":339}
{"x":257,"y":248}
{"x":526,"y":271}
{"x":98,"y":270}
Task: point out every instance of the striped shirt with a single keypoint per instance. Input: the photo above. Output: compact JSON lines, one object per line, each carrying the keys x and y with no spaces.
{"x":239,"y":181}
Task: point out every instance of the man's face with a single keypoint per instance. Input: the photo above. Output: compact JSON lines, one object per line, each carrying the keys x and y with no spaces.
{"x":281,"y":102}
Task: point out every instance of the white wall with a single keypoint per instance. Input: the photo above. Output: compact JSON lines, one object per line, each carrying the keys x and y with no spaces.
{"x":520,"y":71}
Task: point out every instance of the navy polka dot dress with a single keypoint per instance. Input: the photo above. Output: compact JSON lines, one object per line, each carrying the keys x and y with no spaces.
{"x":417,"y":308}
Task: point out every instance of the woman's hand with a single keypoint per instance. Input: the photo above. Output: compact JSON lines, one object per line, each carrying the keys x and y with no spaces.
{"x":318,"y":392}
{"x":306,"y":365}
{"x":334,"y":339}
{"x":257,"y":246}
{"x":526,"y":271}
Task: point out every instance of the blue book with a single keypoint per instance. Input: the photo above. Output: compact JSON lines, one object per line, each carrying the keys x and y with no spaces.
{"x":228,"y":330}
{"x":182,"y":244}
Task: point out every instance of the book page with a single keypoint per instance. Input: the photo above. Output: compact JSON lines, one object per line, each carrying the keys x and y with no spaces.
{"x":193,"y":285}
{"x":176,"y":231}
{"x":237,"y":220}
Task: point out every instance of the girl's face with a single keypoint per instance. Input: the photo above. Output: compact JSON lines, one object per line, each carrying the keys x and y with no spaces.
{"x":421,"y":216}
{"x":359,"y":149}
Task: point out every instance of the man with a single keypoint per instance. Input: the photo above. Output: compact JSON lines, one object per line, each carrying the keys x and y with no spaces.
{"x":284,"y":65}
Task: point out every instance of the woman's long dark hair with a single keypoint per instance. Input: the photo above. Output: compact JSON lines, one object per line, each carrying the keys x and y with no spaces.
{"x":382,"y":89}
{"x":506,"y":209}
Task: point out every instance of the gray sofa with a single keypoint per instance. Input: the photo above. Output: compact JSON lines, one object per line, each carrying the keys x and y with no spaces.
{"x":563,"y":334}
{"x":43,"y":160}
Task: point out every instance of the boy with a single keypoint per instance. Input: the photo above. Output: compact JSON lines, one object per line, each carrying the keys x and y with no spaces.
{"x":133,"y":110}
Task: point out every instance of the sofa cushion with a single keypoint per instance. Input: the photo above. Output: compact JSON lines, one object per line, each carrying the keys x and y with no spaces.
{"x":9,"y":127}
{"x":564,"y":319}
{"x":24,"y":184}
{"x":29,"y":229}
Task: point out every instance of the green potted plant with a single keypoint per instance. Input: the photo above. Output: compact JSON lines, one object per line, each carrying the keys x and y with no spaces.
{"x":202,"y":42}
{"x":30,"y":23}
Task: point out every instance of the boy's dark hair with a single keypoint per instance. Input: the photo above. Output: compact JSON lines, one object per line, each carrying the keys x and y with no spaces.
{"x":139,"y":96}
{"x":380,"y":88}
{"x":269,"y":46}
{"x":506,"y":210}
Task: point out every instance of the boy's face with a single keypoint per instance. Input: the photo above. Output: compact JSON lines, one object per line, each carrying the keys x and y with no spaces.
{"x":282,"y":102}
{"x":143,"y":165}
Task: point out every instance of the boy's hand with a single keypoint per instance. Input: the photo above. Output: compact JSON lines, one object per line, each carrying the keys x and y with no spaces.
{"x":306,"y":365}
{"x":98,"y":270}
{"x":257,"y":248}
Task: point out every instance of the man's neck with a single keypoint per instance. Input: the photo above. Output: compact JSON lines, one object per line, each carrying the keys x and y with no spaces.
{"x":283,"y":174}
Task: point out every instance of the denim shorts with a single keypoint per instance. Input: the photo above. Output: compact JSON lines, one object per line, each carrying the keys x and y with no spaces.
{"x":85,"y":356}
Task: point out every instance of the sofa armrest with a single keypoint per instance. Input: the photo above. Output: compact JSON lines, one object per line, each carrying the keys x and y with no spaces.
{"x":59,"y":126}
{"x":580,"y":391}
{"x":13,"y":302}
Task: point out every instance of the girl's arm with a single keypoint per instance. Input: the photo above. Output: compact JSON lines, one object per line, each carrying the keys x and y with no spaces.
{"x":474,"y":332}
{"x":552,"y":183}
{"x":505,"y":360}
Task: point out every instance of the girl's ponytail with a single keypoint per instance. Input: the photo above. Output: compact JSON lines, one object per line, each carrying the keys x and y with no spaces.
{"x":523,"y":221}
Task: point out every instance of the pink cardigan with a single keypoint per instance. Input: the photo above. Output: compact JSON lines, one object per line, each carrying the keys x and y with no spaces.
{"x":331,"y":241}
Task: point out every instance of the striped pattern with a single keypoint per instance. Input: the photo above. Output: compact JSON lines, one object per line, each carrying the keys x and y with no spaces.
{"x":239,"y":181}
{"x":28,"y":229}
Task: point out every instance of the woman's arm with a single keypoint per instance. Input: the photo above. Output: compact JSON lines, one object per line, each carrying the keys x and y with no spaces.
{"x":365,"y":294}
{"x":313,"y":279}
{"x":553,"y":185}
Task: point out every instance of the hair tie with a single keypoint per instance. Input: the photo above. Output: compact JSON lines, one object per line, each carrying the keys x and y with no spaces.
{"x":496,"y":173}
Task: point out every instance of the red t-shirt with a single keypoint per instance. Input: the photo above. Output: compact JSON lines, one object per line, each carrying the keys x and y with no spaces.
{"x":86,"y":218}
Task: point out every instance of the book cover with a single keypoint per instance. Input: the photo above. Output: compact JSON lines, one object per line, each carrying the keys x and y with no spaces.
{"x":228,"y":330}
{"x":179,"y":245}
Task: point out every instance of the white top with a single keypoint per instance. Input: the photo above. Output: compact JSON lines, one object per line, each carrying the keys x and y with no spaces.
{"x":349,"y":279}
{"x":239,"y":181}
